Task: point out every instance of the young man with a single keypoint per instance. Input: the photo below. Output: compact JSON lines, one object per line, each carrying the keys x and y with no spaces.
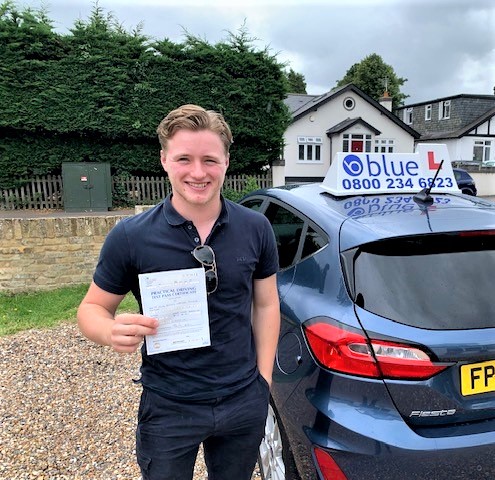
{"x":215,"y":395}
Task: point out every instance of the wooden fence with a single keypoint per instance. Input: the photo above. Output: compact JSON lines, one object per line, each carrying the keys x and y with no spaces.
{"x":46,"y":192}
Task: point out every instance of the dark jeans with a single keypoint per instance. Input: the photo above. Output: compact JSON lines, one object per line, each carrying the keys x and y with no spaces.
{"x":231,"y":428}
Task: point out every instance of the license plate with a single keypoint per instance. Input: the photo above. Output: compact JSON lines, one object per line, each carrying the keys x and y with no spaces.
{"x":478,"y":378}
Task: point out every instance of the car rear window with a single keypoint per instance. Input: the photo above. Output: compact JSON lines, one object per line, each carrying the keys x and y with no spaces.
{"x":436,"y":281}
{"x":462,"y":175}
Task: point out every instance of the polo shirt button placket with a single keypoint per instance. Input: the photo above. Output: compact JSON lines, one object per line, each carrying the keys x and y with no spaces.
{"x":196,"y":239}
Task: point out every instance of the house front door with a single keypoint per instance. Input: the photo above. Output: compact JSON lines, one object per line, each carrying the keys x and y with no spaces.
{"x":357,"y":145}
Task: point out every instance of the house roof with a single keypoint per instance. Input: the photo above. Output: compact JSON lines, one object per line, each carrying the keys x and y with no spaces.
{"x":342,"y":126}
{"x":464,"y":130}
{"x":297,"y":100}
{"x":300,"y":105}
{"x":452,"y":97}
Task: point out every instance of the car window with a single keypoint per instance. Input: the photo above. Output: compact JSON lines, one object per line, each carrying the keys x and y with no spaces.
{"x":462,"y":175}
{"x":293,"y":234}
{"x":439,"y":282}
{"x":253,"y":204}
{"x":313,"y":242}
{"x":288,"y":228}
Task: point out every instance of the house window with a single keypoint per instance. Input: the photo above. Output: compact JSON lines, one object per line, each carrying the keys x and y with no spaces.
{"x":367,"y":146}
{"x":408,"y":116}
{"x":384,"y":145}
{"x":444,"y":110}
{"x":481,"y":150}
{"x":309,"y":149}
{"x":428,"y":112}
{"x":349,"y":103}
{"x":356,"y":142}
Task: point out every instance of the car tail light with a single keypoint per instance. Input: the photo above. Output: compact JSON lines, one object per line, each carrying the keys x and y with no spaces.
{"x":327,"y":465}
{"x":351,"y":352}
{"x":477,"y":233}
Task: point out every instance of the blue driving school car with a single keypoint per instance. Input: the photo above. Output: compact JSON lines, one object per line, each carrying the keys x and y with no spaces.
{"x":385,"y":366}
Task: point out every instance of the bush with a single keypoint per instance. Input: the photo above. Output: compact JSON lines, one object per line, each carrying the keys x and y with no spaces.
{"x":250,"y":186}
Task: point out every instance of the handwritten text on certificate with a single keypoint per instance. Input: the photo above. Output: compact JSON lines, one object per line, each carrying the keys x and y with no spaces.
{"x":177,"y":299}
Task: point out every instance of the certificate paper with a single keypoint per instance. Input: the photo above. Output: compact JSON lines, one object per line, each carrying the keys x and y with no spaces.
{"x":177,"y":299}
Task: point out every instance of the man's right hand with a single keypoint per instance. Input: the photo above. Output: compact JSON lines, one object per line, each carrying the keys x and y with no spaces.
{"x":129,"y":330}
{"x":99,"y":322}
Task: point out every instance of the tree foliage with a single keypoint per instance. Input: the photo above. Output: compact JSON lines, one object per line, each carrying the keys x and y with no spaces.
{"x":99,"y":92}
{"x":296,"y":83}
{"x":373,"y":76}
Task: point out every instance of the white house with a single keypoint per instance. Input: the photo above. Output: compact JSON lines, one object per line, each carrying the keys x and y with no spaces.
{"x":342,"y":120}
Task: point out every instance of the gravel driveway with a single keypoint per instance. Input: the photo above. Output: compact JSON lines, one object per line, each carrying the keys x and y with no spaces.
{"x":68,"y":408}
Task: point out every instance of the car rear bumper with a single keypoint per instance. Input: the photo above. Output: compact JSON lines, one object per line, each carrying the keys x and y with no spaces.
{"x":473,"y":464}
{"x":370,"y":440}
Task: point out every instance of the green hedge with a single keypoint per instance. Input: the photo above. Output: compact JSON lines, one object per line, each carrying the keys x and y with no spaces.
{"x":98,"y":93}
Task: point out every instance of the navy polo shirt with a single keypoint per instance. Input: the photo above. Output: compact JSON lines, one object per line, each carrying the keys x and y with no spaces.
{"x":160,"y":239}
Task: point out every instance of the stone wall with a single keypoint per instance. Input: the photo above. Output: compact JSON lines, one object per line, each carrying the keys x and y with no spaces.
{"x":47,"y":253}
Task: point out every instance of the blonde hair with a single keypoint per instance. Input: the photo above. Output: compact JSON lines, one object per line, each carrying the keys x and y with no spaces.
{"x":194,"y":118}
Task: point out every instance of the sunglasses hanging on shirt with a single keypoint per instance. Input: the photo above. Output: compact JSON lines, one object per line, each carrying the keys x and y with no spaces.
{"x":205,"y":255}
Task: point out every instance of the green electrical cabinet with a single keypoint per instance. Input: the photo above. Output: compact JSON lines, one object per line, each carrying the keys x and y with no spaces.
{"x":87,"y":187}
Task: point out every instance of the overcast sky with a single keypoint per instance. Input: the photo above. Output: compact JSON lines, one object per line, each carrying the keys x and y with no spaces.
{"x":443,"y":47}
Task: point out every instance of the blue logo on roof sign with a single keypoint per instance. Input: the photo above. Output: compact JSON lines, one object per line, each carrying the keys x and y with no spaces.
{"x":353,"y":165}
{"x":352,"y":174}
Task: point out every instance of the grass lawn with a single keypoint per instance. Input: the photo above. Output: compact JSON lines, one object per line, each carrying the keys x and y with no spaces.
{"x":45,"y":309}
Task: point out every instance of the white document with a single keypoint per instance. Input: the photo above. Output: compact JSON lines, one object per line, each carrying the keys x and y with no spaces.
{"x":178,"y":300}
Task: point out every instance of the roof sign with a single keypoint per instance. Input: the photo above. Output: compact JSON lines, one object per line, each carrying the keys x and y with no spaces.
{"x":372,"y":173}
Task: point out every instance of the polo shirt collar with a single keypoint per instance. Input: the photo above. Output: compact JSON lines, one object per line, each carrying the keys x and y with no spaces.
{"x":175,"y":218}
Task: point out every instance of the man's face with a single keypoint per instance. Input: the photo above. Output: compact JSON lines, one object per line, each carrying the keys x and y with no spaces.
{"x":196,"y":164}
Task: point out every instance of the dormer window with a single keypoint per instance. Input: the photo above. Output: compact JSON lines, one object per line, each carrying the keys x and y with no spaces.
{"x":444,"y":110}
{"x":408,"y":116}
{"x":428,"y":112}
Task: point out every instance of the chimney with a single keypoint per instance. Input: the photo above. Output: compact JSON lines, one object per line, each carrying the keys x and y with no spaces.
{"x":386,"y":101}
